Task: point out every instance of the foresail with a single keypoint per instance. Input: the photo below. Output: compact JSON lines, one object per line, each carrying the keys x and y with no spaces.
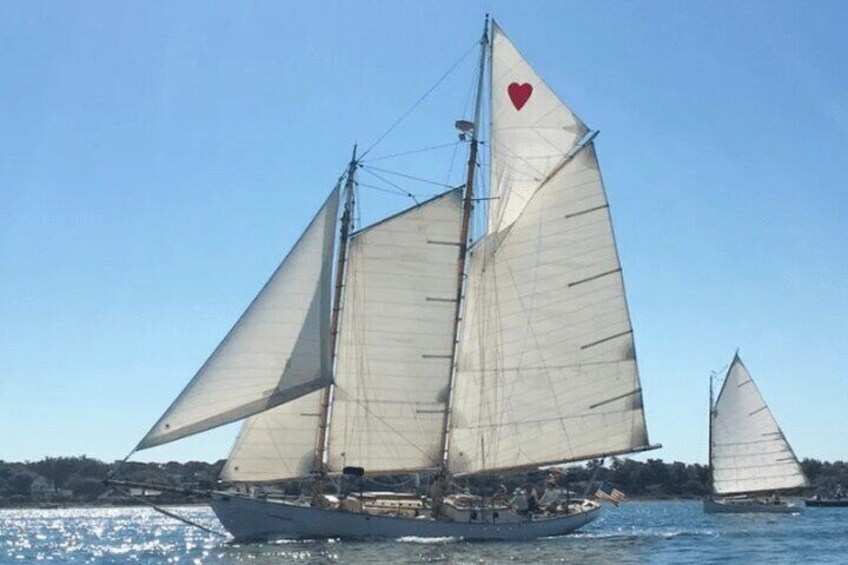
{"x":749,"y":451}
{"x":394,"y":355}
{"x":532,"y":131}
{"x":277,"y":351}
{"x":277,"y":444}
{"x":546,"y":364}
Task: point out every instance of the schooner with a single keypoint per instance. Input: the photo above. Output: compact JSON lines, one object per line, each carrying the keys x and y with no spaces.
{"x":750,"y":459}
{"x":406,"y":347}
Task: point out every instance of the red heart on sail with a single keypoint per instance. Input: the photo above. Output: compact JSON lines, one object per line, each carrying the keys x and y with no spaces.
{"x":519,"y":94}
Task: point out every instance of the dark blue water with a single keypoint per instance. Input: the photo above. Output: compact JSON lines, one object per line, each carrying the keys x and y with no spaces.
{"x":637,"y":532}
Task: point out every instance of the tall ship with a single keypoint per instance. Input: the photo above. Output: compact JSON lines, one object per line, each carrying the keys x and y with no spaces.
{"x":751,"y":462}
{"x":410,"y":347}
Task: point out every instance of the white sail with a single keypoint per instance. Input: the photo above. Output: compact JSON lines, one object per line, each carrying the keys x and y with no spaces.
{"x":394,"y":355}
{"x":546,"y":365}
{"x":749,"y":452}
{"x":531,"y":132}
{"x":277,"y":351}
{"x":276,"y":444}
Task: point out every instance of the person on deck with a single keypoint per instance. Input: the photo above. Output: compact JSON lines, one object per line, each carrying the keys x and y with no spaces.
{"x":551,"y":497}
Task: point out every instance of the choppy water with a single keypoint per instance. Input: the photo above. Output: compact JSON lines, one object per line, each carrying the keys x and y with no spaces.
{"x":637,"y":532}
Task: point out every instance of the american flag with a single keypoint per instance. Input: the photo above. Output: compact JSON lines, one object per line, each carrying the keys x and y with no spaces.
{"x":609,"y":492}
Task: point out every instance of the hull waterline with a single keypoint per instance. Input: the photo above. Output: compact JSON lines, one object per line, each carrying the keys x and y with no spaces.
{"x":252,"y":519}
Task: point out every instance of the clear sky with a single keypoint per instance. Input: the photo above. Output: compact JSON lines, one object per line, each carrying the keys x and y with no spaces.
{"x":158,"y":159}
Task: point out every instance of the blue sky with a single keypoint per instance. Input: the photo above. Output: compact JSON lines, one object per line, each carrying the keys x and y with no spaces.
{"x":157,"y":160}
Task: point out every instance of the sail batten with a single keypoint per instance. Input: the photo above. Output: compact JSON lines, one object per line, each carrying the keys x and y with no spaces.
{"x":275,"y":353}
{"x":749,"y":452}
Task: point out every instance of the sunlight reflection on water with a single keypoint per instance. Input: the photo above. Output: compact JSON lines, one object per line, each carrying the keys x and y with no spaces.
{"x":638,"y":532}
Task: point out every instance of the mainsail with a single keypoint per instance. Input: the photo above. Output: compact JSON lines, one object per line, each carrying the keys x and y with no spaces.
{"x":748,"y":451}
{"x":276,"y":352}
{"x":546,"y":368}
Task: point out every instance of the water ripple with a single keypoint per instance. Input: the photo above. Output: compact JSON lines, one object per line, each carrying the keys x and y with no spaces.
{"x":638,"y":532}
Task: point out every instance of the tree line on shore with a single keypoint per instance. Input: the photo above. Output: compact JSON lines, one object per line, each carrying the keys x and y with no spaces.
{"x":80,"y":480}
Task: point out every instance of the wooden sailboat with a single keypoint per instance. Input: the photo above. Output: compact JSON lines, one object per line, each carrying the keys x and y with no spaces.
{"x":433,"y":355}
{"x":751,"y":461}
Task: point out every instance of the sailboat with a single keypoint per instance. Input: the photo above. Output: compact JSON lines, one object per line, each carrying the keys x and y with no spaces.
{"x":425,"y":352}
{"x":750,"y":459}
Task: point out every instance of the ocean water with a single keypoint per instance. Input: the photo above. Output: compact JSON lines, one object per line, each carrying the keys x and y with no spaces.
{"x":636,"y":532}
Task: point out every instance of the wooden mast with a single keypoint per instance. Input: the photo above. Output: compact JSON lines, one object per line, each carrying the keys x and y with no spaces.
{"x":467,"y":208}
{"x":326,"y":396}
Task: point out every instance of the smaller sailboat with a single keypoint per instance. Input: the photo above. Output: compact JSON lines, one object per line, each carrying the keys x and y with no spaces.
{"x":750,"y":460}
{"x":835,"y":499}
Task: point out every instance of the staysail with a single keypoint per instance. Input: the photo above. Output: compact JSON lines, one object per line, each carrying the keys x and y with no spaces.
{"x":277,"y":351}
{"x":546,"y":369}
{"x":394,"y":355}
{"x":277,"y":444}
{"x":532,"y":131}
{"x":749,"y":452}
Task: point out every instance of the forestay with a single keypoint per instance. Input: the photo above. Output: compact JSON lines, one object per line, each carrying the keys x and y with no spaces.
{"x":394,"y":356}
{"x":749,"y":452}
{"x":277,"y":351}
{"x":546,"y":365}
{"x":532,"y":131}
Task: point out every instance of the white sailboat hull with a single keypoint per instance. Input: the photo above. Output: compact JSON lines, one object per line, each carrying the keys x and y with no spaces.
{"x":252,"y":519}
{"x":748,"y":506}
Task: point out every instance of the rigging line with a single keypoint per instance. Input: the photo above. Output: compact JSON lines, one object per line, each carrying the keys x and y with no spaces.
{"x":117,"y":466}
{"x":386,"y":190}
{"x":410,"y":177}
{"x":414,"y":151}
{"x":387,"y":181}
{"x":175,"y":516}
{"x":421,"y":99}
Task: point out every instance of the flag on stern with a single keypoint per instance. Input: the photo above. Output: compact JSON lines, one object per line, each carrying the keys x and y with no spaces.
{"x":608,"y":492}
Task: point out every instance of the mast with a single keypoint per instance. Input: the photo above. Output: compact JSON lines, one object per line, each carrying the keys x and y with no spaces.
{"x":710,"y":439}
{"x":326,"y":396}
{"x":467,"y":208}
